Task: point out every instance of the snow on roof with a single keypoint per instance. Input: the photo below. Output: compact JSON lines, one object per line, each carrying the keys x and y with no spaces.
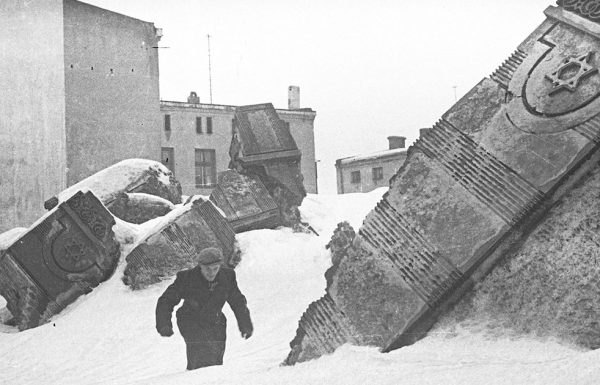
{"x":371,"y":156}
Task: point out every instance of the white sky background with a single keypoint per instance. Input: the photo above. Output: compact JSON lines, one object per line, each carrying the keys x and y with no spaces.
{"x":370,"y":68}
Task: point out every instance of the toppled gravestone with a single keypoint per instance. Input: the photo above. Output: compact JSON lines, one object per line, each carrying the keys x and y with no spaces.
{"x":62,"y":256}
{"x":472,"y":189}
{"x":551,"y":287}
{"x":175,"y":242}
{"x":245,"y":202}
{"x":131,"y":176}
{"x":139,"y":207}
{"x":263,"y":147}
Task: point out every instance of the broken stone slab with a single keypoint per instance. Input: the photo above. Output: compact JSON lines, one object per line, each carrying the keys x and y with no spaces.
{"x":472,"y":189}
{"x":62,"y":256}
{"x":263,"y":146}
{"x":128,"y":176}
{"x":551,"y":287}
{"x":139,"y":207}
{"x":245,"y":202}
{"x":174,"y":243}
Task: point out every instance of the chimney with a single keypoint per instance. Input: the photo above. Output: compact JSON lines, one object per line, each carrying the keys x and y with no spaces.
{"x":293,"y":97}
{"x":423,"y":131}
{"x":193,"y":98}
{"x":396,"y":142}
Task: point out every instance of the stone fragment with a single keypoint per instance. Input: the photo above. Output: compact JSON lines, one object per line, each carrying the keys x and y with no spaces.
{"x":175,"y":242}
{"x":65,"y":254}
{"x":128,"y":176}
{"x":472,"y":189}
{"x":245,"y":202}
{"x":139,"y":207}
{"x":263,"y":146}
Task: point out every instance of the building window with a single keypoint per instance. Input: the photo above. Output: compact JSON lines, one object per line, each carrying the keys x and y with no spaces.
{"x":206,"y":167}
{"x":167,"y":122}
{"x":377,"y":173}
{"x":198,"y":125}
{"x":209,"y":125}
{"x":355,"y":177}
{"x":167,"y":157}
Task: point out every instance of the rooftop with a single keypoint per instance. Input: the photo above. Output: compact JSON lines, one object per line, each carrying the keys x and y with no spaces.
{"x":371,"y":156}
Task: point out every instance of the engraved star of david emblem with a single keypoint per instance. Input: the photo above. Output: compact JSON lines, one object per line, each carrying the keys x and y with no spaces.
{"x":570,"y":72}
{"x":74,"y":252}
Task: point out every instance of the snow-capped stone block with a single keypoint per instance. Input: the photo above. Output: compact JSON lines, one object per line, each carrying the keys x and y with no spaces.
{"x":63,"y":255}
{"x":472,"y":189}
{"x":245,"y":202}
{"x":262,"y":145}
{"x":128,"y":176}
{"x":140,"y":207}
{"x":175,"y":242}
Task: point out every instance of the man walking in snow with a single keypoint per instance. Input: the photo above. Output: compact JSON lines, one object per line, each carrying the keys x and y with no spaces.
{"x":204,"y":290}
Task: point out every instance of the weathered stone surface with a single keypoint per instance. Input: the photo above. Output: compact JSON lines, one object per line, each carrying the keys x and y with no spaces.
{"x":139,"y":207}
{"x":342,"y":239}
{"x":174,"y":245}
{"x":65,"y":254}
{"x":128,"y":176}
{"x":263,"y":146}
{"x":470,"y":192}
{"x":551,"y":286}
{"x":245,"y":201}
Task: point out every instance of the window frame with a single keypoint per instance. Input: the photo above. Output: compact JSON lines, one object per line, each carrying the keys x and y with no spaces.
{"x":171,"y":151}
{"x":198,"y":124}
{"x":353,"y":178}
{"x":204,"y":165}
{"x":167,"y":122}
{"x":377,"y":174}
{"x":209,"y":125}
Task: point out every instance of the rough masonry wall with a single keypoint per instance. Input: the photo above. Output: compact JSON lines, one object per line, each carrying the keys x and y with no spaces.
{"x":111,"y":89}
{"x":32,"y":108}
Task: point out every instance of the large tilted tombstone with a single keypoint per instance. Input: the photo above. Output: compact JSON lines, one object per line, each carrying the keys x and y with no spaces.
{"x":245,"y":202}
{"x":63,"y":255}
{"x":175,"y":242}
{"x":472,"y":189}
{"x":551,"y":287}
{"x":126,"y":189}
{"x":262,"y":146}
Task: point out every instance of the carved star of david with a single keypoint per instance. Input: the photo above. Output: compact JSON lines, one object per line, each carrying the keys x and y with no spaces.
{"x":565,"y":77}
{"x":74,"y":252}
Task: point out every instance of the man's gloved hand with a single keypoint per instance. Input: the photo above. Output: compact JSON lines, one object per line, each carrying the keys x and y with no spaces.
{"x":247,"y":333}
{"x":166,"y":331}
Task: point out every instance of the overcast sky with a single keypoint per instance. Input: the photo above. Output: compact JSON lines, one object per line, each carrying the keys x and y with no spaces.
{"x":369,"y":69}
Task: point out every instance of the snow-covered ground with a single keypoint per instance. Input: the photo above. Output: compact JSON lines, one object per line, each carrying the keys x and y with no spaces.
{"x":108,"y":336}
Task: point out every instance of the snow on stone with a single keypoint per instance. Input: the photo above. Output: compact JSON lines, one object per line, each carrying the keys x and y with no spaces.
{"x":116,"y":177}
{"x":9,"y":237}
{"x":108,"y":336}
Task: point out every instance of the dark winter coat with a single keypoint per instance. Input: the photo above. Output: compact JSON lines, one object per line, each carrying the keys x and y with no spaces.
{"x":200,"y":317}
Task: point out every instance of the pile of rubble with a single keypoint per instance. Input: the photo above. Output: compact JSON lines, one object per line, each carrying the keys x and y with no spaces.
{"x":73,"y":248}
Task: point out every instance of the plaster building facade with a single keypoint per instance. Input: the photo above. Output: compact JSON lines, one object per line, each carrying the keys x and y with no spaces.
{"x":368,"y":172}
{"x":195,"y":140}
{"x":80,"y":91}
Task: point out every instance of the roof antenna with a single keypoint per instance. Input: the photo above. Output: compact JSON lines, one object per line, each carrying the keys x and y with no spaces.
{"x":209,"y":70}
